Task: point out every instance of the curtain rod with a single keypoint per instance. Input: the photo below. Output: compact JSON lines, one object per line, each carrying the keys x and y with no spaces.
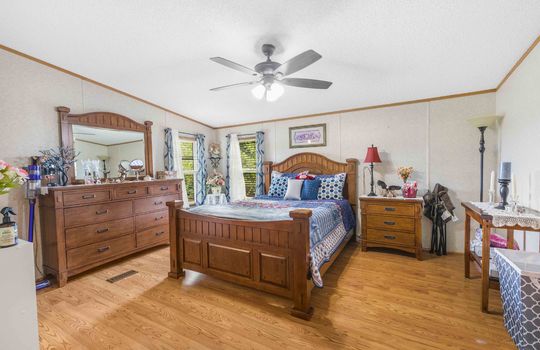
{"x":244,"y":135}
{"x":187,"y":133}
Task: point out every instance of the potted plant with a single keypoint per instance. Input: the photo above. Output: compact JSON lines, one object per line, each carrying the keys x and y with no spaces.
{"x":215,"y":182}
{"x":11,"y":177}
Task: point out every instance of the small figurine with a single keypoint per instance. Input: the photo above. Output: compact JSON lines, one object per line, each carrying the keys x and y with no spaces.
{"x":388,"y":191}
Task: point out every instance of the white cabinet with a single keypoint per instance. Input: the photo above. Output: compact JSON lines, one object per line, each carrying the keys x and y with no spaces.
{"x":18,"y":310}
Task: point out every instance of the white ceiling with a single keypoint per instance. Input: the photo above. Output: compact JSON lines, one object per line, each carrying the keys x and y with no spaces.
{"x":105,"y":137}
{"x":374,"y":51}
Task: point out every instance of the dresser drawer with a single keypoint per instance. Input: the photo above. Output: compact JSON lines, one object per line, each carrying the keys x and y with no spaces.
{"x":97,"y":213}
{"x":158,"y":234}
{"x":99,"y":251}
{"x":163,"y":189}
{"x":153,"y":203}
{"x":79,"y":236}
{"x":152,"y":219}
{"x":130,"y":192}
{"x":391,"y":237}
{"x":85,"y":197}
{"x":390,"y":223}
{"x":402,"y":209}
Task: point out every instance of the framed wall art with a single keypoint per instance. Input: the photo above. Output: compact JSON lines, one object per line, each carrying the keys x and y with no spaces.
{"x":307,"y":136}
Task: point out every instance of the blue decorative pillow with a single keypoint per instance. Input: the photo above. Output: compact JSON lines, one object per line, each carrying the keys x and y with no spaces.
{"x":331,"y":186}
{"x":310,"y":189}
{"x":278,"y":186}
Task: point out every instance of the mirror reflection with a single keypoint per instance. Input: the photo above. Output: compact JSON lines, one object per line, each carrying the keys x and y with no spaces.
{"x":105,"y":149}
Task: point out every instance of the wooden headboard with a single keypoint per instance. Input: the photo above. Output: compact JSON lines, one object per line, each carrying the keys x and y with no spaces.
{"x":319,"y":165}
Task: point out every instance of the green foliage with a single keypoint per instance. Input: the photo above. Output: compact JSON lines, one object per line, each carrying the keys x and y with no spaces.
{"x":189,"y":182}
{"x":248,"y":154}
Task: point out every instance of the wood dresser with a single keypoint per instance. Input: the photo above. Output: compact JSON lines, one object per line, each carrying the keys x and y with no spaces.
{"x":392,"y":223}
{"x":84,"y":226}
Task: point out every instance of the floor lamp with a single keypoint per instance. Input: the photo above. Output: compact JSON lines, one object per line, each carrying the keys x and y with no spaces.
{"x":482,"y":123}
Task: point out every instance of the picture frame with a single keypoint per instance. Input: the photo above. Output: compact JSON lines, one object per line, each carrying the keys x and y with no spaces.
{"x":307,"y":136}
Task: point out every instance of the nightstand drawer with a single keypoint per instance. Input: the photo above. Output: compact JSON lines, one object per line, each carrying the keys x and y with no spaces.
{"x":391,"y":237}
{"x":384,"y":222}
{"x":390,"y":209}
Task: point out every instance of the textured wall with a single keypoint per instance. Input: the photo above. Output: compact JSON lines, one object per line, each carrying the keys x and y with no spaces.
{"x":435,"y":138}
{"x":29,"y":122}
{"x":518,"y":100}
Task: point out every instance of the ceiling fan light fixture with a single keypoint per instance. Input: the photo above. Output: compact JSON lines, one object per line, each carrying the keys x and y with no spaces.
{"x":258,"y":91}
{"x":273,"y":92}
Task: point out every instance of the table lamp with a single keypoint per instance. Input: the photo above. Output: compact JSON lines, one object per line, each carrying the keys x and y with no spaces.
{"x":372,"y":156}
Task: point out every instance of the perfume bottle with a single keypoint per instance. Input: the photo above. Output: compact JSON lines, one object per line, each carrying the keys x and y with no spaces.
{"x":8,"y":229}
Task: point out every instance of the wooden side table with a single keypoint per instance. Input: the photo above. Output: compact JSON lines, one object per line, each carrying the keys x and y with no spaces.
{"x":392,"y":223}
{"x":486,"y":221}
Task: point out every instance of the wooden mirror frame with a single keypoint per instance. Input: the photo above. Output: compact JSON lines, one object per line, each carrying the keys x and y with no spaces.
{"x":105,"y":120}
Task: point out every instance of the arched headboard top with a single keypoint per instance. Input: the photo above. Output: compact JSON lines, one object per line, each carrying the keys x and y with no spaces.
{"x":319,"y":165}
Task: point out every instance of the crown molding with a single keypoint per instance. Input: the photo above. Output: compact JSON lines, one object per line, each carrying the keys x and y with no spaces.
{"x":82,"y":77}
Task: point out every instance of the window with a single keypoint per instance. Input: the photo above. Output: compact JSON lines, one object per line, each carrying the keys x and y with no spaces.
{"x":248,"y":154}
{"x":189,"y":166}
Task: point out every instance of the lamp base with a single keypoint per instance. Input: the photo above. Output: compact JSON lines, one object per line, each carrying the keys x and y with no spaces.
{"x":372,"y":194}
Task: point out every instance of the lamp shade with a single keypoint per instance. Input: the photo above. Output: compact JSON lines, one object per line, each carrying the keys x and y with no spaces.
{"x":372,"y":155}
{"x":484,"y":121}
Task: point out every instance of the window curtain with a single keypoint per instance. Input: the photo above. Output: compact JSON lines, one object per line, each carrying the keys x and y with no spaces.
{"x":173,"y":155}
{"x":200,"y":196}
{"x":259,"y":148}
{"x":235,"y":186}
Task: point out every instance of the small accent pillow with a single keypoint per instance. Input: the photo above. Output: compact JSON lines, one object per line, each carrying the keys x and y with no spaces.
{"x":331,"y":186}
{"x":304,"y":175}
{"x":310,"y":190}
{"x":278,"y":186}
{"x":294,"y":187}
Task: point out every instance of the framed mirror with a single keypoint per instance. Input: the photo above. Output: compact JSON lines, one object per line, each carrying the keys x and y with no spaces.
{"x":107,"y":141}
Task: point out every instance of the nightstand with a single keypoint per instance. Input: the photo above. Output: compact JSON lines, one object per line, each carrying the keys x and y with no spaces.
{"x":392,"y":223}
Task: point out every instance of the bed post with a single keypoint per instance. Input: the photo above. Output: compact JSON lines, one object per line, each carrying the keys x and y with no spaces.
{"x":267,"y":172}
{"x":301,"y":260}
{"x":174,"y":239}
{"x":352,"y":174}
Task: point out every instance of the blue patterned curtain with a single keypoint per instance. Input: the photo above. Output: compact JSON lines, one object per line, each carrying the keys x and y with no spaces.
{"x":228,"y":166}
{"x":169,"y":153}
{"x":259,"y":147}
{"x":201,"y":170}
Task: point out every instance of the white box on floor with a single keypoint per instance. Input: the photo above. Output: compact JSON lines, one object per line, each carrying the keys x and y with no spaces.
{"x":18,"y":310}
{"x":519,"y":277}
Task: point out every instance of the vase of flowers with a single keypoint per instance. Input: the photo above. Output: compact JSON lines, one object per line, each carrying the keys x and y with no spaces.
{"x":11,"y":177}
{"x":408,"y":190}
{"x":216,"y":182}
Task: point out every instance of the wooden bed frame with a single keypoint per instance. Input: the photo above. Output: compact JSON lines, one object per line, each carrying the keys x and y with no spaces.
{"x":272,"y":256}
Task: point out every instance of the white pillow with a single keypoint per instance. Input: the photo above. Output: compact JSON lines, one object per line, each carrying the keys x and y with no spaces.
{"x":294,"y":187}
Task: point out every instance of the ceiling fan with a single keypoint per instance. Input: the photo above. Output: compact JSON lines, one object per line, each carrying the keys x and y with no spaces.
{"x":271,"y":76}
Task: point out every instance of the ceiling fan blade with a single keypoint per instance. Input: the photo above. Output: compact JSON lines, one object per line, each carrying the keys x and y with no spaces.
{"x":234,"y":85}
{"x":299,"y":62}
{"x":233,"y":65}
{"x":306,"y":83}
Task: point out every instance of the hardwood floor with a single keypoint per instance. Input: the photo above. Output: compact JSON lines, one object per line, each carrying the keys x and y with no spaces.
{"x":371,"y":300}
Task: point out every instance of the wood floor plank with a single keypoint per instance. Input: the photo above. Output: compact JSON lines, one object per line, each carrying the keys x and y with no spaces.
{"x":371,"y":300}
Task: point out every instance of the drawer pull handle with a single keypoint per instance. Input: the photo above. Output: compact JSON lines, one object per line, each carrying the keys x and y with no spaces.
{"x":159,"y":233}
{"x":390,"y":237}
{"x":391,"y":223}
{"x":132,"y":192}
{"x":102,"y":230}
{"x":101,"y":212}
{"x":158,"y":203}
{"x":389,"y":209}
{"x":158,"y":218}
{"x":103,"y":249}
{"x":88,"y":196}
{"x":164,"y":188}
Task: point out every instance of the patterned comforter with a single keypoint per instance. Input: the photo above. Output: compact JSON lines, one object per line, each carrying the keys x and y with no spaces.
{"x":329,"y":223}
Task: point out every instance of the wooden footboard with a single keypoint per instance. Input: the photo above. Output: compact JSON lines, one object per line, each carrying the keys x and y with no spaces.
{"x":269,"y":256}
